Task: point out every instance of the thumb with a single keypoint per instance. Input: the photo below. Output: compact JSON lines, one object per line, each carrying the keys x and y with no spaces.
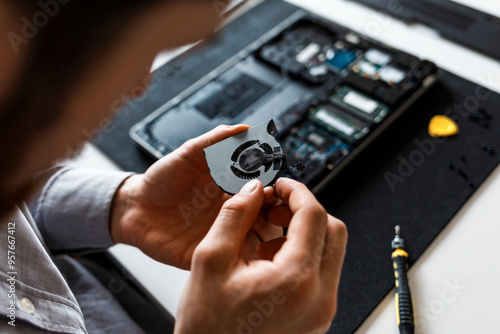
{"x":226,"y":236}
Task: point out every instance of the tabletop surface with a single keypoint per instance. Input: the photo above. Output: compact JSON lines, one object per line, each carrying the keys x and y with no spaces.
{"x":454,"y":283}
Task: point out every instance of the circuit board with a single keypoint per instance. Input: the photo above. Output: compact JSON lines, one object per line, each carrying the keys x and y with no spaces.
{"x":363,"y":84}
{"x":321,"y":149}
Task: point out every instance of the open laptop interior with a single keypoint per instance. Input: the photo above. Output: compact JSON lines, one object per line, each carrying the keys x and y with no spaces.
{"x":329,"y":90}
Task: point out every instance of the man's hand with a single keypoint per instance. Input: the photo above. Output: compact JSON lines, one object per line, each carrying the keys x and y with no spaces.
{"x":168,"y":210}
{"x":293,"y":291}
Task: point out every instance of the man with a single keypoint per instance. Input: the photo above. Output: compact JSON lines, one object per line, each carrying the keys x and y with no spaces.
{"x":63,"y":64}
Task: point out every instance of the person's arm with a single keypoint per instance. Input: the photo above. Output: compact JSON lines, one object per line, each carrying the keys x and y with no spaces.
{"x":165,"y":212}
{"x":72,"y":211}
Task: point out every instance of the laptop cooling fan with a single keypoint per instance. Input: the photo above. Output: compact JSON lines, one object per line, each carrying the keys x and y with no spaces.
{"x":252,"y":154}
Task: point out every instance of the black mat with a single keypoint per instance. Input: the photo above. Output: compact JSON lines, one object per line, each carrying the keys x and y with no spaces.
{"x":426,"y":191}
{"x":424,"y":197}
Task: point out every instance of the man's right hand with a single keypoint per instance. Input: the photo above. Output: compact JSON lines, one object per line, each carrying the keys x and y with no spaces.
{"x":292,"y":289}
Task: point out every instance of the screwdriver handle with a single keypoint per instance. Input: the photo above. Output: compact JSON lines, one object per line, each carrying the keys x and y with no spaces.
{"x":404,"y":305}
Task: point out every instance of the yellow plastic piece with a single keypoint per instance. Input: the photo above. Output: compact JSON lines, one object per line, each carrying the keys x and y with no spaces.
{"x":399,"y":252}
{"x":442,"y":126}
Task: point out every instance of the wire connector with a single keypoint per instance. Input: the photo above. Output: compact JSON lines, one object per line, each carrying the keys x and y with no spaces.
{"x":286,"y":167}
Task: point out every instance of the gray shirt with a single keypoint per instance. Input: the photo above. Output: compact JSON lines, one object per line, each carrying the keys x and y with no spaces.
{"x":72,"y":215}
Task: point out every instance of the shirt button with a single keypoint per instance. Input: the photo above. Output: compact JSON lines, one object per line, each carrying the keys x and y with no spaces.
{"x":27,"y":306}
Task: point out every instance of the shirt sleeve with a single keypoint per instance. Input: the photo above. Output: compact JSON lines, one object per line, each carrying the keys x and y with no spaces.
{"x":72,"y":210}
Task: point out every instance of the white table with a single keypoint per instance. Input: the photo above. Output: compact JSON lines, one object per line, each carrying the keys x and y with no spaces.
{"x":455,"y":283}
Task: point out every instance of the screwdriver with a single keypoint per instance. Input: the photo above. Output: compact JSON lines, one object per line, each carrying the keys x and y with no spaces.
{"x":404,"y":305}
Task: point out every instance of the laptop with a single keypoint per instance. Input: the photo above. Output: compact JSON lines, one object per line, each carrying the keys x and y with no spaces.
{"x":329,"y":90}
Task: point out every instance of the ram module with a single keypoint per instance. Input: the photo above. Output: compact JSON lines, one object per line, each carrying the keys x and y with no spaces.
{"x":360,"y":104}
{"x":338,"y":122}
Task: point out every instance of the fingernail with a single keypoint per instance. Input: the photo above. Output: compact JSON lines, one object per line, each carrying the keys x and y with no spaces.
{"x":249,"y":187}
{"x":281,"y":179}
{"x":236,"y":126}
{"x":286,"y":180}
